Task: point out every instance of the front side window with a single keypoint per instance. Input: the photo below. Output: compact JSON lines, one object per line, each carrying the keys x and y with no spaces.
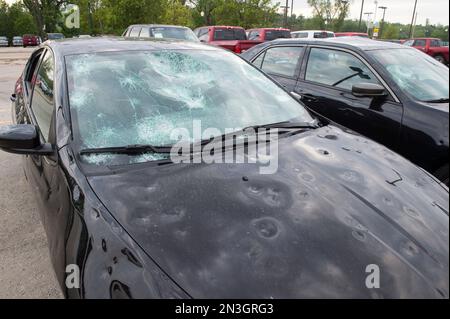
{"x":140,"y":97}
{"x":416,"y":73}
{"x":282,"y":60}
{"x":42,"y":100}
{"x":338,"y":69}
{"x":435,"y":43}
{"x":420,"y":43}
{"x":301,"y":35}
{"x":277,"y":34}
{"x":253,"y":35}
{"x":135,"y":32}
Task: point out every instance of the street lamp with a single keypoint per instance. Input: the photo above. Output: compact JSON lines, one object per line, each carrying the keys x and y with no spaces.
{"x":368,"y":14}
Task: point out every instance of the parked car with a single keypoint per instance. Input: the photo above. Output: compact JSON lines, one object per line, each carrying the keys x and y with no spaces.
{"x":231,"y":38}
{"x":30,"y":40}
{"x":55,"y":36}
{"x":137,"y":225}
{"x":312,"y":34}
{"x":390,"y":93}
{"x":160,"y":32}
{"x":3,"y":41}
{"x":431,"y":46}
{"x":268,"y":34}
{"x":352,"y":34}
{"x":17,"y":41}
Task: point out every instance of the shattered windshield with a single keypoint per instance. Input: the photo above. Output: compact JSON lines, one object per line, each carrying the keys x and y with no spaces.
{"x":140,"y":97}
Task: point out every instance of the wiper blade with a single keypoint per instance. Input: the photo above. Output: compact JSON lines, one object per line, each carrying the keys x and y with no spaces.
{"x":443,"y":100}
{"x":128,"y":150}
{"x":286,"y":124}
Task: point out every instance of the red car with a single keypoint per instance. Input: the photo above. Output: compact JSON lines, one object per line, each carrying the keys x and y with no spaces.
{"x":268,"y":34}
{"x":352,"y":34}
{"x":431,"y":46}
{"x":30,"y":40}
{"x":231,"y":38}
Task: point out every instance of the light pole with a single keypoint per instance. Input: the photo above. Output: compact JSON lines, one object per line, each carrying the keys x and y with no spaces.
{"x":361,"y":15}
{"x":412,"y":20}
{"x":382,"y":20}
{"x":368,"y":14}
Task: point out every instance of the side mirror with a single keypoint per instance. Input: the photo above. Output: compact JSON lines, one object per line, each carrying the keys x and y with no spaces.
{"x":23,"y":139}
{"x":368,"y":90}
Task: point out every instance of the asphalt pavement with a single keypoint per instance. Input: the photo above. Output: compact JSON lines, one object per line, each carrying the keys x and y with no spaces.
{"x":25,"y":268}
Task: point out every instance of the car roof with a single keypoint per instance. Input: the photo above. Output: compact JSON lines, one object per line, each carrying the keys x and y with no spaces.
{"x":363,"y":44}
{"x":312,"y":31}
{"x":157,"y":26}
{"x":281,"y":29}
{"x":71,"y":46}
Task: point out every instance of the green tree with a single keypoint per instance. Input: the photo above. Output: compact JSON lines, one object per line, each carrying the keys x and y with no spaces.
{"x":46,"y":14}
{"x":330,"y":14}
{"x":177,"y":13}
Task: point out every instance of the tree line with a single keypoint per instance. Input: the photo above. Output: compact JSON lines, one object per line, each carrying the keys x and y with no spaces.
{"x":113,"y":16}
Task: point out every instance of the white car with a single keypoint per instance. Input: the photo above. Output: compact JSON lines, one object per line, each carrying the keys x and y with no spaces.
{"x":313,"y":34}
{"x":3,"y":42}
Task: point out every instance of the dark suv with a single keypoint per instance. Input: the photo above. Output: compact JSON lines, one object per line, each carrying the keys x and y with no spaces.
{"x":388,"y":92}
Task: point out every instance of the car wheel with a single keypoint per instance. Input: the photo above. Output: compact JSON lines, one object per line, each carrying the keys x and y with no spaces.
{"x":442,"y":174}
{"x":440,"y":58}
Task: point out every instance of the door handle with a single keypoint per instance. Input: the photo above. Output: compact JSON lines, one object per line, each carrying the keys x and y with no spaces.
{"x":13,"y":97}
{"x":309,"y":98}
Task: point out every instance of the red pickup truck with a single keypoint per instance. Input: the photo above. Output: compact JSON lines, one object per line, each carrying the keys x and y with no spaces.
{"x":231,"y":38}
{"x":431,"y":46}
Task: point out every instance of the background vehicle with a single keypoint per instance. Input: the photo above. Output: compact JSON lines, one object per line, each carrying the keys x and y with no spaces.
{"x":139,"y":226}
{"x":392,"y":94}
{"x":3,"y":41}
{"x":17,"y":41}
{"x":30,"y":40}
{"x":268,"y":34}
{"x":352,"y":34}
{"x":55,"y":36}
{"x":160,"y":32}
{"x":313,"y":34}
{"x":431,"y":46}
{"x":231,"y":38}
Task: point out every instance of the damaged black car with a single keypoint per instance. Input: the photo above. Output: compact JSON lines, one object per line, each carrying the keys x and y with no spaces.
{"x":322,"y":213}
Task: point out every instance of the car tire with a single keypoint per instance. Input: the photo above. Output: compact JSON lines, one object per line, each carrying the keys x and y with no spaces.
{"x":440,"y":58}
{"x":442,"y":174}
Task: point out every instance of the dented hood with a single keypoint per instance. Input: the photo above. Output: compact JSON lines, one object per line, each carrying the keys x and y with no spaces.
{"x":337,"y":204}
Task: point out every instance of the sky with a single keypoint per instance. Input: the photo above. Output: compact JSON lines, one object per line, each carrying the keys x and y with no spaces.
{"x":398,"y":10}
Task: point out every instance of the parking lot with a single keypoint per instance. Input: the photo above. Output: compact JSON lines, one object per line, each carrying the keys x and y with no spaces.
{"x":25,"y":268}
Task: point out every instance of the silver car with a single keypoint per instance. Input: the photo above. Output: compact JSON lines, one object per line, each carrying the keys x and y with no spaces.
{"x":3,"y":41}
{"x":17,"y":41}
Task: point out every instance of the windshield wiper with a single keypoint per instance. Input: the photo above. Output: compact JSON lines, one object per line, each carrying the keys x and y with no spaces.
{"x":443,"y":100}
{"x":286,"y":124}
{"x":128,"y":150}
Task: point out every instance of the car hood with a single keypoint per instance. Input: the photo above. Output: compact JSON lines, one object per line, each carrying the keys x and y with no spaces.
{"x":337,"y":204}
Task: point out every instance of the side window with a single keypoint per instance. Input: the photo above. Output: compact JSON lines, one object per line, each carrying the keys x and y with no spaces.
{"x":282,"y":60}
{"x":435,"y":43}
{"x":253,"y":35}
{"x":420,"y":43}
{"x":42,"y":101}
{"x":31,"y":71}
{"x":135,"y":32}
{"x":409,"y":43}
{"x":336,"y":68}
{"x":145,"y":33}
{"x":203,"y":35}
{"x":258,"y":61}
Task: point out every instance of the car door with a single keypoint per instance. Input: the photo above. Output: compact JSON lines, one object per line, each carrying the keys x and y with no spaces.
{"x":325,"y":85}
{"x":43,"y":172}
{"x":282,"y":63}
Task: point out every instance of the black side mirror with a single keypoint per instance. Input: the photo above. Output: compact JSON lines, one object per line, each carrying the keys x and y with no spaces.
{"x":368,"y":90}
{"x":23,"y":139}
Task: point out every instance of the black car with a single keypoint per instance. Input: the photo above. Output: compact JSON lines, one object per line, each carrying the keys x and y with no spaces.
{"x":94,"y":122}
{"x":160,"y":31}
{"x":394,"y":95}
